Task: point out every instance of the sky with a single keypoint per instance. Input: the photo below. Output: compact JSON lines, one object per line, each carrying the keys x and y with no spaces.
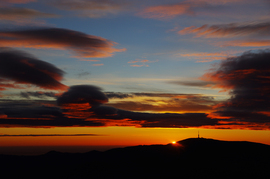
{"x":98,"y":73}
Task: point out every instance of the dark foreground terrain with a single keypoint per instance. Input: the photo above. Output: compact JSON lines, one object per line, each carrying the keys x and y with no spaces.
{"x":190,"y":158}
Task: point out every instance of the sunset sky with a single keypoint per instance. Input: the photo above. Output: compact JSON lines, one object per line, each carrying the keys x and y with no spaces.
{"x":122,"y":72}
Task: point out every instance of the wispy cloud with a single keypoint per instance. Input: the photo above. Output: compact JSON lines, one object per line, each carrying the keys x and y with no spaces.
{"x":38,"y":94}
{"x":191,"y":8}
{"x":142,"y":62}
{"x":252,"y":34}
{"x":248,"y":43}
{"x":167,"y":11}
{"x":17,"y":14}
{"x":17,"y":1}
{"x":229,"y":30}
{"x":100,"y":64}
{"x":220,"y":1}
{"x":205,"y":57}
{"x":91,"y":8}
{"x":205,"y":84}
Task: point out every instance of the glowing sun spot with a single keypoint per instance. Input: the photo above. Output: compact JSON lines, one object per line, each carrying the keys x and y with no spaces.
{"x":173,"y":142}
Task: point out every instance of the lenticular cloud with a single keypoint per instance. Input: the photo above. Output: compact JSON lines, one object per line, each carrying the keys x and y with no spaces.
{"x":83,"y":45}
{"x":22,"y":68}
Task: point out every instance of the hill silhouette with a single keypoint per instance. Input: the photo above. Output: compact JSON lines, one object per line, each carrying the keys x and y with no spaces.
{"x":189,"y":158}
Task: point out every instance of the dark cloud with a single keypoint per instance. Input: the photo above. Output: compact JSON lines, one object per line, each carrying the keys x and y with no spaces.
{"x":155,"y":94}
{"x":165,"y":119}
{"x":181,"y":120}
{"x":247,"y":77}
{"x":83,"y":45}
{"x":22,"y":68}
{"x":83,"y":94}
{"x":83,"y":105}
{"x":77,"y":96}
{"x":230,"y":30}
{"x":46,"y":123}
{"x":15,"y":113}
{"x":104,"y":110}
{"x":193,"y":83}
{"x":26,"y":110}
{"x":118,"y":95}
{"x":75,"y":109}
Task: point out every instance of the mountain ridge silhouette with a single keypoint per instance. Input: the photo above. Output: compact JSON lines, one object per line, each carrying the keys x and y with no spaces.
{"x":189,"y":158}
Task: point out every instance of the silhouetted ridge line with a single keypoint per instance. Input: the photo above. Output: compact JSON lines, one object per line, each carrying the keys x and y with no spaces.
{"x":216,"y":159}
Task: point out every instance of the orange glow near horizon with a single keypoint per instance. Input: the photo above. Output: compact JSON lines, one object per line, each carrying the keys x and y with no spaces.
{"x":124,"y":136}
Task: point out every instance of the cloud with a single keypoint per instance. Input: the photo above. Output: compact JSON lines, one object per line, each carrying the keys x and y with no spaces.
{"x":188,"y":7}
{"x":22,"y":68}
{"x":81,"y":94}
{"x":117,"y":95}
{"x":4,"y":83}
{"x":248,"y":43}
{"x":206,"y":57}
{"x":182,"y":121}
{"x":139,"y":65}
{"x":221,"y":1}
{"x":104,"y":111}
{"x":80,"y":101}
{"x":17,"y":14}
{"x":44,"y":114}
{"x":29,"y":110}
{"x":47,"y":123}
{"x":168,"y":11}
{"x":168,"y":119}
{"x":141,"y":62}
{"x":92,"y":8}
{"x":247,"y":77}
{"x":82,"y":106}
{"x":176,"y":106}
{"x":123,"y":117}
{"x":173,"y":103}
{"x":200,"y":84}
{"x":100,"y":64}
{"x":75,"y":109}
{"x":17,"y":1}
{"x":229,"y":30}
{"x":38,"y":94}
{"x":86,"y":46}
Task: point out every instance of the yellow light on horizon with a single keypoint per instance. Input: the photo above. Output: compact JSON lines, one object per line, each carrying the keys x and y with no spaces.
{"x":173,"y":142}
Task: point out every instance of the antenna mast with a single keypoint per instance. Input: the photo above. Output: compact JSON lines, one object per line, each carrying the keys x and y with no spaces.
{"x":198,"y":134}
